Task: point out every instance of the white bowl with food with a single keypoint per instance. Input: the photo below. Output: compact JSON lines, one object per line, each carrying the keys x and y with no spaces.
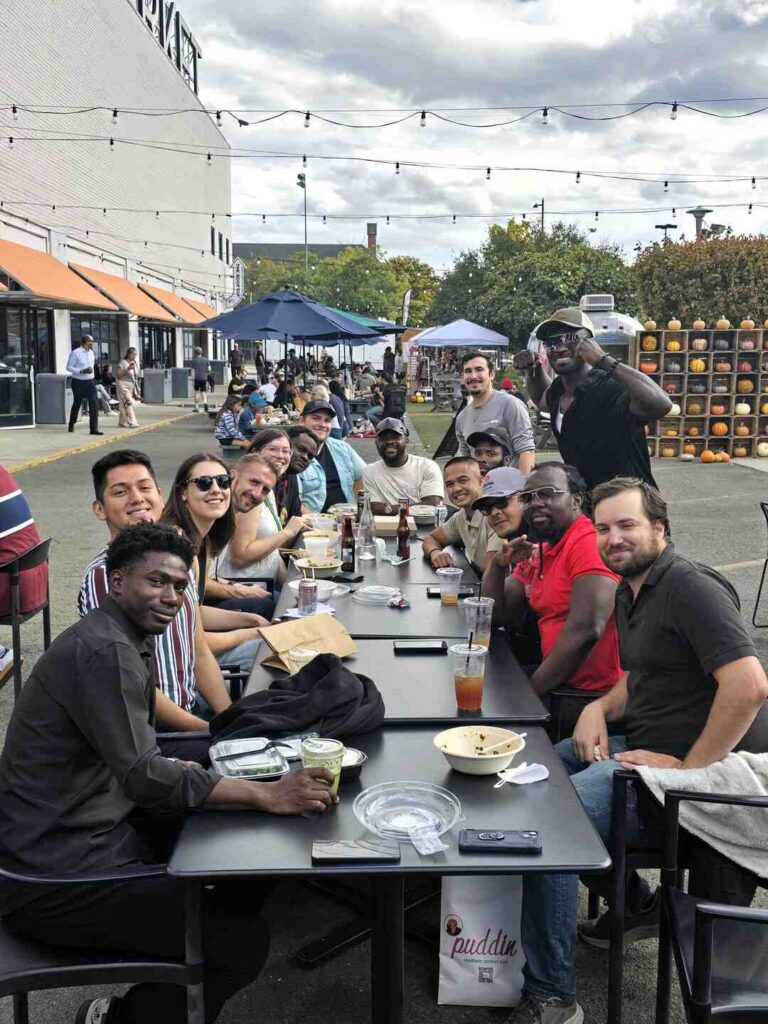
{"x":463,"y":748}
{"x":326,"y":589}
{"x":423,"y":515}
{"x":315,"y":567}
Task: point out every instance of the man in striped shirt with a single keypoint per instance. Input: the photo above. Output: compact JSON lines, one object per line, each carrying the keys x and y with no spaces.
{"x":127,"y":493}
{"x":18,"y":534}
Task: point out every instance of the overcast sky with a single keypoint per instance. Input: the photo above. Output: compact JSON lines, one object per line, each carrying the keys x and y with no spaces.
{"x":366,"y":54}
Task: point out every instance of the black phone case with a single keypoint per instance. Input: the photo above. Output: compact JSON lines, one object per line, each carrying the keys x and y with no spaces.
{"x":347,"y":577}
{"x":463,"y":591}
{"x":511,"y":841}
{"x":419,"y":647}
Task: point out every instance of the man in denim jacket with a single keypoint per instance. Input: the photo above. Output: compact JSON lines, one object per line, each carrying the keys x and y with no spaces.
{"x":335,"y":474}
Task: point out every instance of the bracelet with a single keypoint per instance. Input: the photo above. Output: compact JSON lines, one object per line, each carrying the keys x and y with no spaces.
{"x":612,"y":368}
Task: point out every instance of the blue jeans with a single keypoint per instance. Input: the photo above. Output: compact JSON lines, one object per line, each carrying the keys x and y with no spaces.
{"x":548,"y":926}
{"x":243,"y":655}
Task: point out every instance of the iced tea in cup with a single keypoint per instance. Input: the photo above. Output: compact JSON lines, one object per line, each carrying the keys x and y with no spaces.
{"x":468,"y":674}
{"x":320,"y":753}
{"x":479,"y":612}
{"x":449,"y":579}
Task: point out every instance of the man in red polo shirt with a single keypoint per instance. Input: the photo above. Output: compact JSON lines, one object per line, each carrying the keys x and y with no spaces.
{"x":558,"y":574}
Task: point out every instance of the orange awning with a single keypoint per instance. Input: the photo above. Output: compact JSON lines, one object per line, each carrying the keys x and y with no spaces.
{"x":174,"y":304}
{"x":207,"y":311}
{"x":124,"y":293}
{"x":46,"y":278}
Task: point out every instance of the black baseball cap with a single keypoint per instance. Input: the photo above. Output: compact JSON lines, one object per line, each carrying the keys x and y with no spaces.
{"x":495,"y":434}
{"x":318,"y":405}
{"x":392,"y":423}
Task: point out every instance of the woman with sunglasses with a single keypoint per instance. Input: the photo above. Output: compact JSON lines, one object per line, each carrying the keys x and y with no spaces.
{"x":554,"y":570}
{"x":274,"y":444}
{"x":200,"y":507}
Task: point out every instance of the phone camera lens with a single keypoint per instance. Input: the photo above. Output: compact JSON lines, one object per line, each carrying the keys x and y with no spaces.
{"x":491,"y":836}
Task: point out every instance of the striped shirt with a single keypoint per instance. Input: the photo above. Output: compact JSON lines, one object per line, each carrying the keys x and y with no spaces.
{"x":174,"y":659}
{"x":18,"y":534}
{"x":226,"y":428}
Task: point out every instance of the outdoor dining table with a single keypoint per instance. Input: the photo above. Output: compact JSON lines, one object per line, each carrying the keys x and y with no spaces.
{"x":225,"y":845}
{"x":419,"y":688}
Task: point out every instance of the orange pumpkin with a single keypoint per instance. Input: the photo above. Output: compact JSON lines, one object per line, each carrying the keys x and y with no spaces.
{"x":723,"y":366}
{"x":698,"y":324}
{"x":724,"y":457}
{"x":707,"y":456}
{"x":742,"y":430}
{"x":719,"y":429}
{"x":717,"y":409}
{"x":697,"y":366}
{"x":764,"y":408}
{"x":693,"y":431}
{"x":674,"y":324}
{"x":648,"y":365}
{"x":739,"y":451}
{"x":696,"y":409}
{"x":747,"y":325}
{"x":689,"y":449}
{"x":668,"y":453}
{"x":723,"y":324}
{"x":649,"y":343}
{"x":673,"y":346}
{"x":745,"y":387}
{"x":671,"y":432}
{"x":650,"y":325}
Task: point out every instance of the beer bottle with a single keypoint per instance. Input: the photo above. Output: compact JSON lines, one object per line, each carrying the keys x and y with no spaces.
{"x":347,"y":545}
{"x":403,"y":532}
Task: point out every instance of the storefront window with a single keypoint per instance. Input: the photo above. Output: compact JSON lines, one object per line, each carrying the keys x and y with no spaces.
{"x":103,"y":330}
{"x":156,"y":346}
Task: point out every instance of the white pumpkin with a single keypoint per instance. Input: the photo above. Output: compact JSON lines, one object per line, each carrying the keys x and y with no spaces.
{"x":762,"y":449}
{"x":742,"y":409}
{"x":689,"y":458}
{"x":675,"y":410}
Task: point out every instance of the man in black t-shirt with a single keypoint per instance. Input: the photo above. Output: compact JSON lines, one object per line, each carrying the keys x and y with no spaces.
{"x":692,"y":692}
{"x":598,"y":406}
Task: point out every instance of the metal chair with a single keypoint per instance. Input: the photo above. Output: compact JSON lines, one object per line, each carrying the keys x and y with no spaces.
{"x":721,"y":952}
{"x":556,"y":698}
{"x":755,"y":623}
{"x":29,"y":560}
{"x":27,"y":966}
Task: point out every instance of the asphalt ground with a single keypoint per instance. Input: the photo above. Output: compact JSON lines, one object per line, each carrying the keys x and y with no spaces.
{"x":715,"y":519}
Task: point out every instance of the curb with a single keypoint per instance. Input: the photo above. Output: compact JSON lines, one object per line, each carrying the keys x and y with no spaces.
{"x":78,"y":449}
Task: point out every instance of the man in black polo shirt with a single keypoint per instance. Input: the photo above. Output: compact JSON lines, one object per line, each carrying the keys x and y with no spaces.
{"x":690,"y":695}
{"x":597,"y":405}
{"x":81,"y":756}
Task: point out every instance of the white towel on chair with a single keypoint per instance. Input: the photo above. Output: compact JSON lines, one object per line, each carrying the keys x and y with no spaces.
{"x":739,"y":833}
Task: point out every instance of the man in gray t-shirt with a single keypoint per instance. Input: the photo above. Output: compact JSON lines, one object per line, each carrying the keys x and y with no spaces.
{"x":490,"y":408}
{"x":201,"y":367}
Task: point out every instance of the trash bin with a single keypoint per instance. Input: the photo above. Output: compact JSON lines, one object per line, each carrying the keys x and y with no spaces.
{"x":181,"y":382}
{"x":157,"y":387}
{"x":219,"y":368}
{"x":53,"y":398}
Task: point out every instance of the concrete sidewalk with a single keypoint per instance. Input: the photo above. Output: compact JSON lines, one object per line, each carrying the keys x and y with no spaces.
{"x":24,"y":449}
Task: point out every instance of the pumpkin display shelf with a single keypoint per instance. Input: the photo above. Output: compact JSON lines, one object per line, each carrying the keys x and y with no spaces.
{"x":718,"y":380}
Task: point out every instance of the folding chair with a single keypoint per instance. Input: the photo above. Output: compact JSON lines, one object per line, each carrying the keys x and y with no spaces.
{"x":29,"y":560}
{"x":755,"y":623}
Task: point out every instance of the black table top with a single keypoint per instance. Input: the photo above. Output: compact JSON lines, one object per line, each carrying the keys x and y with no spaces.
{"x":419,"y":688}
{"x":249,"y":843}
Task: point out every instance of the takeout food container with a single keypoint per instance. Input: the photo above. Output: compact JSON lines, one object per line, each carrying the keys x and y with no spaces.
{"x":460,"y":747}
{"x":322,"y":523}
{"x":319,"y":568}
{"x":352,"y":765}
{"x":386,"y":526}
{"x":267,"y":765}
{"x":424,"y":515}
{"x":326,"y":589}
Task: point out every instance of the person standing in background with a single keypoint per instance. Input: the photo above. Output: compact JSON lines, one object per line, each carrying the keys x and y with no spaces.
{"x":81,"y":365}
{"x":201,"y":367}
{"x":388,"y":362}
{"x":490,"y":408}
{"x":236,"y":359}
{"x":127,"y":386}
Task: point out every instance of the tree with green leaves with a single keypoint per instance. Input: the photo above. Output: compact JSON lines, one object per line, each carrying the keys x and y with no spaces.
{"x":706,"y":278}
{"x":423,"y":283}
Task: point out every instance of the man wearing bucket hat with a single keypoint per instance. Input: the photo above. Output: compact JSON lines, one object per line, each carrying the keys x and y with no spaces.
{"x":492,"y":447}
{"x":598,"y":406}
{"x":398,"y":473}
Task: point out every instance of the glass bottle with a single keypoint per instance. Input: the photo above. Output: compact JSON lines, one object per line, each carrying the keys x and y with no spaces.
{"x":347,"y":545}
{"x":366,"y":533}
{"x":403,"y":532}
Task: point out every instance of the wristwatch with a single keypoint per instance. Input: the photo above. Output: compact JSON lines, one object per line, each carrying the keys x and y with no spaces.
{"x":611,"y":367}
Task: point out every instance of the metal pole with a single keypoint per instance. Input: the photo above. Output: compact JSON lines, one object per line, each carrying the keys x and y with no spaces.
{"x":540,"y":206}
{"x":306,"y":250}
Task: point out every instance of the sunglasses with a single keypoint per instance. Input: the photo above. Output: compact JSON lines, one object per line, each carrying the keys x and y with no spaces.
{"x":544,"y":495}
{"x":204,"y":483}
{"x":570,"y":338}
{"x":494,"y":503}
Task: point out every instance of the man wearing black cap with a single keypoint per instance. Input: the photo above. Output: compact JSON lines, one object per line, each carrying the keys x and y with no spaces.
{"x":399,"y":474}
{"x":335,"y":473}
{"x":597,"y":405}
{"x":492,"y":447}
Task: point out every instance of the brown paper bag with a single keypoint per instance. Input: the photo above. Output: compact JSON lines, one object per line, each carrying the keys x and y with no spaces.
{"x":321,"y":633}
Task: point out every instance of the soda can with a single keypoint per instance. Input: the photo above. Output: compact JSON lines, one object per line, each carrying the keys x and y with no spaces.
{"x":440,"y":515}
{"x":307,"y":597}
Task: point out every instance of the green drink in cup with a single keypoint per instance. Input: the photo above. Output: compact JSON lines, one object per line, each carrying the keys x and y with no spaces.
{"x":320,"y":753}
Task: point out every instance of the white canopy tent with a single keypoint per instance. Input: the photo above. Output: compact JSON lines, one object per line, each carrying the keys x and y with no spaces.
{"x":459,"y":334}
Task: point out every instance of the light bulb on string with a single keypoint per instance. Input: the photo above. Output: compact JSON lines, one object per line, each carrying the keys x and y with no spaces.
{"x":545,"y":115}
{"x":423,"y":119}
{"x":306,"y":120}
{"x":304,"y":160}
{"x":488,"y":174}
{"x":578,"y":177}
{"x":666,"y":186}
{"x":324,"y":220}
{"x":209,"y":160}
{"x":674,"y":211}
{"x":397,"y":168}
{"x":114,"y":116}
{"x":454,"y":218}
{"x":754,"y":183}
{"x":218,"y":118}
{"x":387,"y":218}
{"x":15,"y":112}
{"x":111,"y":145}
{"x":10,"y":142}
{"x":263,"y":218}
{"x":673,"y":114}
{"x":597,"y":215}
{"x":750,"y":208}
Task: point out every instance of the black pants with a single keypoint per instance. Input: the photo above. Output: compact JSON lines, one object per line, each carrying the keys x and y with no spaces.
{"x":84,"y":391}
{"x":146,"y":916}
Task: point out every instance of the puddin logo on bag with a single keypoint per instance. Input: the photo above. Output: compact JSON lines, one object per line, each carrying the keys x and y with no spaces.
{"x":498,"y":945}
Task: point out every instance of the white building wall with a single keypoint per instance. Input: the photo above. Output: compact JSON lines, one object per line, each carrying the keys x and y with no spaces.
{"x":102,"y":54}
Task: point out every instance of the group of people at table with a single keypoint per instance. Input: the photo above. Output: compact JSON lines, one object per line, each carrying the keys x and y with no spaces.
{"x":587,"y":586}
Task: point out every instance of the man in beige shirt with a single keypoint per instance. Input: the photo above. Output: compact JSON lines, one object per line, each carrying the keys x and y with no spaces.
{"x":463,"y":484}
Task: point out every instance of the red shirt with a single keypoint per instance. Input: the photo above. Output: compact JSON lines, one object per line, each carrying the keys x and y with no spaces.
{"x":18,"y":534}
{"x":549,"y":594}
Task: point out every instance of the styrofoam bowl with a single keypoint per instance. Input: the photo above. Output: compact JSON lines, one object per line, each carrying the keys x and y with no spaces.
{"x":308,"y":567}
{"x":458,"y":747}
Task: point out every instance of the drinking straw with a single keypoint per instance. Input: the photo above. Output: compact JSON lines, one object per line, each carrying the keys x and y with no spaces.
{"x":471,"y":638}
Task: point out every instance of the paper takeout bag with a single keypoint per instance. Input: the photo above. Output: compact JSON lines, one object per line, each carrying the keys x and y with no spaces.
{"x":386,"y":526}
{"x":321,"y":633}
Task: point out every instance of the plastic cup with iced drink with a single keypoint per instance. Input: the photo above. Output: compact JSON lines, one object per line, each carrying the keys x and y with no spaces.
{"x":479,"y":611}
{"x":468,"y":674}
{"x":321,"y":753}
{"x":449,"y":579}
